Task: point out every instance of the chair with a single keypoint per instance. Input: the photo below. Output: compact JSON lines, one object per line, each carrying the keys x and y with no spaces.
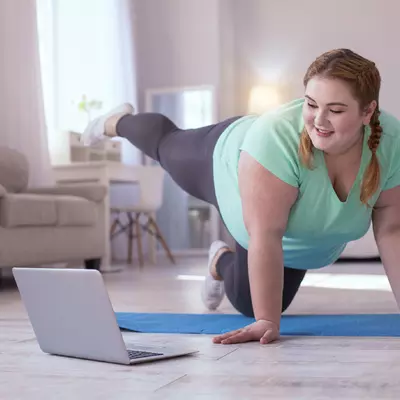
{"x":150,"y":180}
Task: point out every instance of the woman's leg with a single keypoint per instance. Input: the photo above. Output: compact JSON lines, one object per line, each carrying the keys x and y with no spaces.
{"x":233,"y":269}
{"x":186,"y":154}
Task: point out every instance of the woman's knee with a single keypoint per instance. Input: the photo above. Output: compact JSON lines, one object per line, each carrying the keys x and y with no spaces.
{"x":242,"y":304}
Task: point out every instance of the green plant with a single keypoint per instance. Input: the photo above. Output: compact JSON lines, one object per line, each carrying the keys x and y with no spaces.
{"x":88,"y":106}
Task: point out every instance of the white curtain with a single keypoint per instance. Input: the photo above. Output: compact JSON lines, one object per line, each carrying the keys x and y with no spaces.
{"x":87,"y":49}
{"x":21,"y":100}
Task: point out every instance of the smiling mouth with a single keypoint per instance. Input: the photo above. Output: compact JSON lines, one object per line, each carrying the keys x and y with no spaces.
{"x":323,"y":132}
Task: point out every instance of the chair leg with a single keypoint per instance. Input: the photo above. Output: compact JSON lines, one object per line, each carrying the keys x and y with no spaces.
{"x":112,"y":230}
{"x":113,"y":226}
{"x":160,"y":237}
{"x":139,"y":239}
{"x":130,"y":239}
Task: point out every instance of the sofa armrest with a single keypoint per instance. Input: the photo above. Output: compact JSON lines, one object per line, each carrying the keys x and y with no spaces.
{"x":91,"y":192}
{"x":3,"y":191}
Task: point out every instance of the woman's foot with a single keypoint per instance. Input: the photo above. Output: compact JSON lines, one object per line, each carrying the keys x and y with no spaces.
{"x":213,"y":290}
{"x":105,"y":125}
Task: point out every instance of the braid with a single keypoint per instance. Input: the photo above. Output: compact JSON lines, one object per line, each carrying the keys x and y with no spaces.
{"x":376,"y":132}
{"x":306,"y":149}
{"x":371,"y":179}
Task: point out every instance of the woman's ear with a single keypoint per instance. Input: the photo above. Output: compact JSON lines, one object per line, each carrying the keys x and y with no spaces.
{"x":369,"y":112}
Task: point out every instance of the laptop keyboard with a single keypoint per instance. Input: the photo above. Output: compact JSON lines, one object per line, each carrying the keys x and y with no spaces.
{"x":134,"y":354}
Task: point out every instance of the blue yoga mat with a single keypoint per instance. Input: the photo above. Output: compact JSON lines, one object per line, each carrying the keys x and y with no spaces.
{"x":308,"y":325}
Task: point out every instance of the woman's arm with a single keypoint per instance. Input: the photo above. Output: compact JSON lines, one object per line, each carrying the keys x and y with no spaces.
{"x":386,"y":226}
{"x":266,"y":203}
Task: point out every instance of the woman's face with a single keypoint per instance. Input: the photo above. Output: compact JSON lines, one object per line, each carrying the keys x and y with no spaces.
{"x":332,"y":116}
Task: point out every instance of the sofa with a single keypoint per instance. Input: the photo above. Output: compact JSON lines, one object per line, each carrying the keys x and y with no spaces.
{"x":47,"y":225}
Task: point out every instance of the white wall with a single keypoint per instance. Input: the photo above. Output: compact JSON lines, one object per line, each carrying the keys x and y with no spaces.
{"x":277,"y":40}
{"x":234,"y":44}
{"x":176,"y":43}
{"x":179,"y":42}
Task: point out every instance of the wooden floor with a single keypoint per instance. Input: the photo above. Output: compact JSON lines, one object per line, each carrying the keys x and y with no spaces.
{"x":293,"y":368}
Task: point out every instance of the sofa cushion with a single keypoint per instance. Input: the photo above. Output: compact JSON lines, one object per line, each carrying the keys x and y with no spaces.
{"x":94,"y":192}
{"x":22,"y":210}
{"x":75,"y":211}
{"x":14,"y":170}
{"x":27,"y":210}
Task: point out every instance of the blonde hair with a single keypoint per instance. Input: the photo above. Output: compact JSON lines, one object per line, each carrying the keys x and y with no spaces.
{"x":364,"y":81}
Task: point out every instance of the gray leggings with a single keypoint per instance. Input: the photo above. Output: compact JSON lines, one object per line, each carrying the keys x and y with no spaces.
{"x":187,"y":156}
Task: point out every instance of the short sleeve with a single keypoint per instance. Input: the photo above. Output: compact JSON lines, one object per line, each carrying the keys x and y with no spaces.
{"x":389,"y":151}
{"x":273,"y":141}
{"x":393,"y":175}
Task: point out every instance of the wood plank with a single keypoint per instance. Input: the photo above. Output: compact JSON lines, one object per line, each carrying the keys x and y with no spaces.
{"x":294,"y":367}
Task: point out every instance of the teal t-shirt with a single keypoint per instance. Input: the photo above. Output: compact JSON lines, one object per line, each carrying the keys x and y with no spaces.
{"x":319,"y":225}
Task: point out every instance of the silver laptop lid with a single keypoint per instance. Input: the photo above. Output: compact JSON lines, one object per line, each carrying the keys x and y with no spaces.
{"x":71,"y":313}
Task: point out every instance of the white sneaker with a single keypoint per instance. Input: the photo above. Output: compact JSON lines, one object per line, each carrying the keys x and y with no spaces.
{"x":95,"y":131}
{"x":213,"y":290}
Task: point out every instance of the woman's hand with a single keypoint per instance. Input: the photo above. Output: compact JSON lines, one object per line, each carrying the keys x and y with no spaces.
{"x":262,"y":330}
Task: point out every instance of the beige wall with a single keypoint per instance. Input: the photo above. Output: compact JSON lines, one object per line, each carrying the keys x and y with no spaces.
{"x":176,"y":43}
{"x":235,"y":44}
{"x":278,"y":39}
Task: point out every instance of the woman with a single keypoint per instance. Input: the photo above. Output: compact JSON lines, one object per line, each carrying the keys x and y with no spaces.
{"x":292,"y":186}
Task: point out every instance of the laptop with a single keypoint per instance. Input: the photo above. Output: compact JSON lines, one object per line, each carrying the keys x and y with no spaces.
{"x":71,"y":315}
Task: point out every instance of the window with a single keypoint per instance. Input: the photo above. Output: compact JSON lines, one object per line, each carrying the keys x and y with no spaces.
{"x":86,"y":48}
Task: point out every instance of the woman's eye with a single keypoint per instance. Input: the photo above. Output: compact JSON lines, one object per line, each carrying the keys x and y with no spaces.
{"x":312,"y":105}
{"x":336,"y":112}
